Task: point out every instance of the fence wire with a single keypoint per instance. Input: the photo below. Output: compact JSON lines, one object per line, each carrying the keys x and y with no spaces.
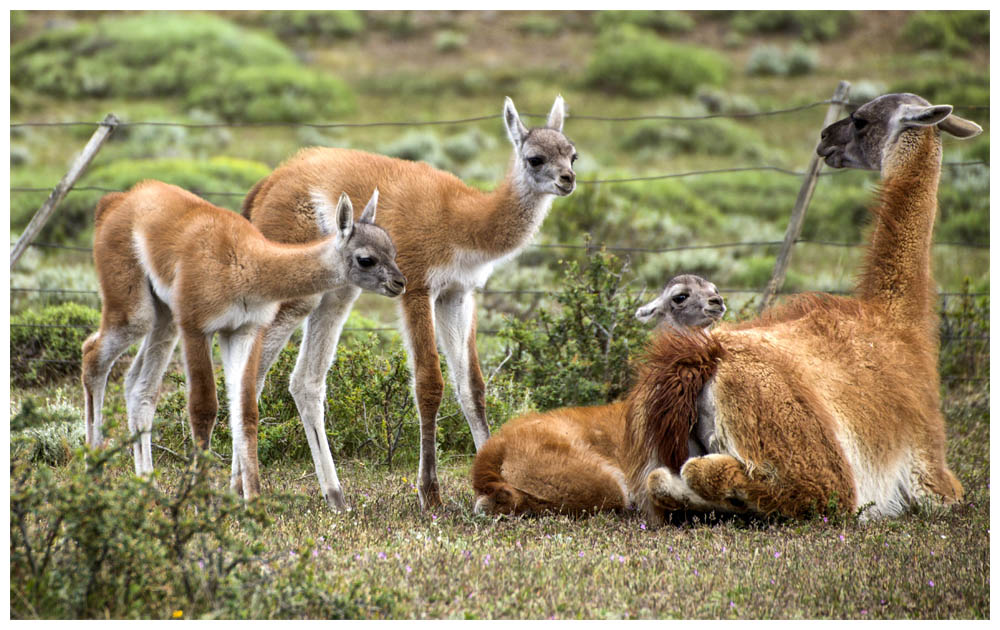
{"x":590,"y":247}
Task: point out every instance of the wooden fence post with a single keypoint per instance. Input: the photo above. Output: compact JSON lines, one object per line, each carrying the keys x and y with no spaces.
{"x":801,"y":203}
{"x":65,"y":184}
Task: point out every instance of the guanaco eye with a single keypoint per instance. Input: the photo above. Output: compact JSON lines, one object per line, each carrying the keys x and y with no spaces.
{"x":573,"y":159}
{"x":536,"y":161}
{"x":859,"y":123}
{"x":679,"y":298}
{"x":365,"y":261}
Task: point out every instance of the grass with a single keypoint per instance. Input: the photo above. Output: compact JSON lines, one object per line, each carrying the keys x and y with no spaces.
{"x":400,"y":562}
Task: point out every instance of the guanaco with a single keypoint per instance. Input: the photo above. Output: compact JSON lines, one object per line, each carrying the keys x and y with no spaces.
{"x":449,"y":236}
{"x":168,"y":260}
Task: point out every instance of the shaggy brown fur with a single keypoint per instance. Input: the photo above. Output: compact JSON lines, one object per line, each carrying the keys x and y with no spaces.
{"x":564,"y":461}
{"x":827,"y":401}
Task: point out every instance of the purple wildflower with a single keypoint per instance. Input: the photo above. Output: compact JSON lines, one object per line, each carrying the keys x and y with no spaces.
{"x":930,"y":582}
{"x":381,"y":555}
{"x":777,"y":554}
{"x":409,"y":569}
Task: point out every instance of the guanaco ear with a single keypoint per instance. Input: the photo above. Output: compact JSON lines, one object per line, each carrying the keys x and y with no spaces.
{"x":327,"y":219}
{"x":557,"y":115}
{"x":960,"y":127}
{"x":345,"y":217}
{"x":368,"y":215}
{"x":918,"y":116}
{"x":516,"y":130}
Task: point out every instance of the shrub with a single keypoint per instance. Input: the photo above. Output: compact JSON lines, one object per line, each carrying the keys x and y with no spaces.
{"x":540,"y":25}
{"x":578,"y":354}
{"x":90,"y":543}
{"x":951,"y":31}
{"x":418,"y":146}
{"x":319,"y":24}
{"x":957,"y":86}
{"x":448,"y":41}
{"x":285,"y":93}
{"x":661,"y":21}
{"x":767,"y":60}
{"x":808,"y":25}
{"x":801,"y":60}
{"x":155,"y":54}
{"x":46,"y":345}
{"x":641,"y":64}
{"x":714,"y":136}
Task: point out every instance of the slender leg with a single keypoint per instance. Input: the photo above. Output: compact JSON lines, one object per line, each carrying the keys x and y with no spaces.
{"x":202,"y":402}
{"x":418,"y":333}
{"x":237,"y":349}
{"x":142,"y":385}
{"x":276,"y":335}
{"x":308,"y":384}
{"x":100,"y":351}
{"x":455,"y":325}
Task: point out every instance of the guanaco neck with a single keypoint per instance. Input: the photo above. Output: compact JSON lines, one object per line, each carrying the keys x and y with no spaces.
{"x":897,"y":273}
{"x":287,"y":271}
{"x":504,"y":220}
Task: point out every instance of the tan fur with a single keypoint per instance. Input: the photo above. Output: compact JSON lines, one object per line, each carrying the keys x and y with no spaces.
{"x":449,"y":236}
{"x":168,"y":260}
{"x":827,"y":401}
{"x":563,"y":461}
{"x":573,"y":460}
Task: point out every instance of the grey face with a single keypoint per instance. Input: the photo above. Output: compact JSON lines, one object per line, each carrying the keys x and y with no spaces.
{"x":687,"y":301}
{"x":863,"y":139}
{"x":548,"y":158}
{"x":544,"y":156}
{"x":370,"y":260}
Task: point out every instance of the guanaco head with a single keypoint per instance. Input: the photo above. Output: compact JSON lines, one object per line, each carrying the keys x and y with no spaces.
{"x":688,"y":301}
{"x":543,"y":156}
{"x":367,"y":254}
{"x":874,"y":131}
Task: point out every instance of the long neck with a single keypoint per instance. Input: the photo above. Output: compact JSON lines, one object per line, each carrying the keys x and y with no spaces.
{"x":503,"y":221}
{"x":897,"y":271}
{"x":285,"y":271}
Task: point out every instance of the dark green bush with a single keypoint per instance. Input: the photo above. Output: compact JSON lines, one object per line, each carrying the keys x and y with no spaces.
{"x":86,"y":542}
{"x":280,"y":93}
{"x":808,"y":25}
{"x":73,"y":225}
{"x":639,"y":63}
{"x":579,"y":354}
{"x":661,"y":21}
{"x":46,"y":345}
{"x":320,"y":24}
{"x":957,"y":86}
{"x":713,"y":136}
{"x":950,"y":31}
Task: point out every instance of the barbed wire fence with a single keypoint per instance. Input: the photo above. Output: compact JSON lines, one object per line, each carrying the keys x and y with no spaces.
{"x":105,"y":127}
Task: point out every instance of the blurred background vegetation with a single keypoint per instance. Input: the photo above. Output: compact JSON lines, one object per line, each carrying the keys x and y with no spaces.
{"x":247,"y":86}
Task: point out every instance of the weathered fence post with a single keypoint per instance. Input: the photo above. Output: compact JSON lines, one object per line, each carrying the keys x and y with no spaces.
{"x":65,"y":184}
{"x":801,"y":203}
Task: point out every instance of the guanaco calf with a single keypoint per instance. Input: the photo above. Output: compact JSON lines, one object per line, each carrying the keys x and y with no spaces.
{"x":449,"y":236}
{"x":167,"y":259}
{"x":568,"y":460}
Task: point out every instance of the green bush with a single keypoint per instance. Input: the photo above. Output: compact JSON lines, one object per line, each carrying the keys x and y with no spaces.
{"x":88,"y":543}
{"x":73,"y":225}
{"x":661,"y":21}
{"x":958,"y":86}
{"x":808,"y":25}
{"x":714,"y":136}
{"x":769,"y":60}
{"x":319,"y":24}
{"x":155,"y":54}
{"x":46,"y":345}
{"x":285,"y":93}
{"x":641,"y":64}
{"x":448,"y":41}
{"x":950,"y":31}
{"x":579,"y":353}
{"x":540,"y":25}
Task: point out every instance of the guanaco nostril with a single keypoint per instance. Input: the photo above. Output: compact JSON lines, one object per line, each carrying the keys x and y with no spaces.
{"x":568,"y":178}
